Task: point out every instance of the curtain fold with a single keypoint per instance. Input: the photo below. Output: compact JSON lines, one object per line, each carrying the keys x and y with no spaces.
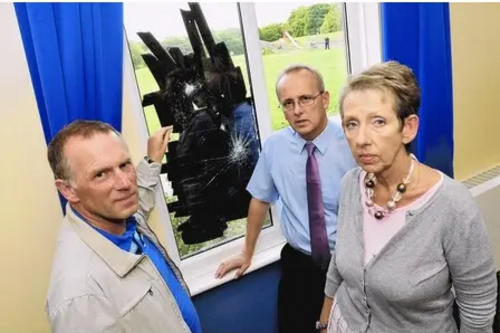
{"x":75,"y":58}
{"x":418,"y":35}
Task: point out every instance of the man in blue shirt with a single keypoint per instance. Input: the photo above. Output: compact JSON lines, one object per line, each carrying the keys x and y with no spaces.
{"x":281,"y":175}
{"x":110,"y":273}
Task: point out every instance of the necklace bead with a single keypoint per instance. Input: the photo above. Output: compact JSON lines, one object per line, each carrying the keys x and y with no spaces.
{"x":391,"y":205}
{"x":370,"y":183}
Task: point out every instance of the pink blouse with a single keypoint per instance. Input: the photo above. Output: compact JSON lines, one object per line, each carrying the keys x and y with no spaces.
{"x":377,"y":233}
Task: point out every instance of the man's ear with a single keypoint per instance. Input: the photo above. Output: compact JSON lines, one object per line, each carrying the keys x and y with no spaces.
{"x":326,"y":99}
{"x":67,"y":191}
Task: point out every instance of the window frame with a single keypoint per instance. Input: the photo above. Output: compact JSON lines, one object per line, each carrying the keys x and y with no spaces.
{"x":362,"y":31}
{"x":363,"y":35}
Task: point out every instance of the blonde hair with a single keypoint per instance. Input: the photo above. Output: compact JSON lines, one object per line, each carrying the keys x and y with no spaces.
{"x":391,"y":77}
{"x":388,"y":77}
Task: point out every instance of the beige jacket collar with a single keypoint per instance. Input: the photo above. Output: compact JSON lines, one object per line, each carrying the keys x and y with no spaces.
{"x":121,"y":262}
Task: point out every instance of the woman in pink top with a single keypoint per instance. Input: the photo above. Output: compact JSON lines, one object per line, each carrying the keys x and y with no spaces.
{"x":407,"y":233}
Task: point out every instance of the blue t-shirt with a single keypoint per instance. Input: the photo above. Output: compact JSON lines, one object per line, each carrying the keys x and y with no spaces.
{"x":183,"y":300}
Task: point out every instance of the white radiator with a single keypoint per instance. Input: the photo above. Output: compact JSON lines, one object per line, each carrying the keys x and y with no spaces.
{"x":485,"y":188}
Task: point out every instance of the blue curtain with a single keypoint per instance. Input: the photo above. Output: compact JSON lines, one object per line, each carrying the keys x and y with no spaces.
{"x":418,"y":35}
{"x":75,"y":57}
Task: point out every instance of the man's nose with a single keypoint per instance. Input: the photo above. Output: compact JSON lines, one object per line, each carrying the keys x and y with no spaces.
{"x":297,"y":109}
{"x":122,"y":180}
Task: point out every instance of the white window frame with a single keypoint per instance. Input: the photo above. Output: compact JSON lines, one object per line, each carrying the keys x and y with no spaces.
{"x":362,"y":22}
{"x":363,"y":34}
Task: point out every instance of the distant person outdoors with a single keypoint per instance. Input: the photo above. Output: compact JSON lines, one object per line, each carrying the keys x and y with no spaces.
{"x":327,"y":43}
{"x":411,"y":240}
{"x":301,"y":166}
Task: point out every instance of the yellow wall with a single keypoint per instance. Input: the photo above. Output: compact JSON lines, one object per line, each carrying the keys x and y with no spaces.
{"x":138,"y":150}
{"x":475,"y":39}
{"x":30,"y":211}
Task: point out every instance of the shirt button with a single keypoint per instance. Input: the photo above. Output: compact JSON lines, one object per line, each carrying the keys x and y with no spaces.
{"x":150,"y":291}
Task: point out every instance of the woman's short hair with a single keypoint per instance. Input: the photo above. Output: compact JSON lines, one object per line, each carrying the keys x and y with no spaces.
{"x":388,"y":77}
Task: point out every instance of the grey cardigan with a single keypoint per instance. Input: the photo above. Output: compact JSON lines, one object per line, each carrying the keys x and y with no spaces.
{"x":407,"y":287}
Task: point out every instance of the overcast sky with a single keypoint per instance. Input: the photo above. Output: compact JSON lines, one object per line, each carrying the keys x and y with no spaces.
{"x":164,"y":19}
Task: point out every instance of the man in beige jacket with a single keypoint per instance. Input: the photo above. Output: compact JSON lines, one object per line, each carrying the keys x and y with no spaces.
{"x":109,"y":272}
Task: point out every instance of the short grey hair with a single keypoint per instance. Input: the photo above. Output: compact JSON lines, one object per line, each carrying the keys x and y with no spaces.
{"x":299,"y":67}
{"x":78,"y":128}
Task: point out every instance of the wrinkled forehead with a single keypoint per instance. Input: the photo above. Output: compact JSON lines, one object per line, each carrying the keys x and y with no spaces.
{"x":368,"y":96}
{"x":101,"y":150}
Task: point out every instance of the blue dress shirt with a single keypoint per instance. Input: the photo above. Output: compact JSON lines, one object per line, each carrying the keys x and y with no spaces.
{"x":280,"y":176}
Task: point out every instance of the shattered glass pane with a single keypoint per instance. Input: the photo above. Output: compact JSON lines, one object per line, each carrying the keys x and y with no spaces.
{"x":198,"y":83}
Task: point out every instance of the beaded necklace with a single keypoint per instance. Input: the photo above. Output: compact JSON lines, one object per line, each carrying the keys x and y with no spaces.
{"x":370,"y":182}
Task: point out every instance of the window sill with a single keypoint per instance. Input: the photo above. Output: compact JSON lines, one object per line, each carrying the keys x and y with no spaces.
{"x":207,"y":281}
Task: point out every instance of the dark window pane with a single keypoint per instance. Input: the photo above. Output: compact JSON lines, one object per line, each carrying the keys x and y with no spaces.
{"x":191,"y":70}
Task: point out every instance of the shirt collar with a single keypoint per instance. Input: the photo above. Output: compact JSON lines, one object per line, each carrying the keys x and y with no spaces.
{"x":121,"y":262}
{"x":131,"y":226}
{"x":321,"y":142}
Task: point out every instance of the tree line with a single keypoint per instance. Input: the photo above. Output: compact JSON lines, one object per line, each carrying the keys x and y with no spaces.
{"x":303,"y":21}
{"x":231,"y":37}
{"x":306,"y":21}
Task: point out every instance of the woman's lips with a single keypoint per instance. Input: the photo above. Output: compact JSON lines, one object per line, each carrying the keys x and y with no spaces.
{"x":367,"y":158}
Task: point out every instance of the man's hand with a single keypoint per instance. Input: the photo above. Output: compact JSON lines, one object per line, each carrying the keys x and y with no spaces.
{"x":241,"y":262}
{"x":158,"y":143}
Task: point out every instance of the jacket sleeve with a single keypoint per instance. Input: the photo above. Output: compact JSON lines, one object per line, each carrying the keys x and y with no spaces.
{"x":92,"y":314}
{"x":148,"y":176}
{"x":333,"y":278}
{"x":472,"y":268}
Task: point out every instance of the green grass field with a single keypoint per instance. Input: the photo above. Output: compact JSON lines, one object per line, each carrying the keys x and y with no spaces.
{"x":331,"y":63}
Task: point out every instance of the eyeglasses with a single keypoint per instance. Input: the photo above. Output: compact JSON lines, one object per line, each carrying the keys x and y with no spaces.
{"x":304,"y":100}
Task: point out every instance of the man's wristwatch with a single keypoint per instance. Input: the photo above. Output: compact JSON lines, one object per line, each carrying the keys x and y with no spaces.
{"x":321,"y":326}
{"x":148,"y":159}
